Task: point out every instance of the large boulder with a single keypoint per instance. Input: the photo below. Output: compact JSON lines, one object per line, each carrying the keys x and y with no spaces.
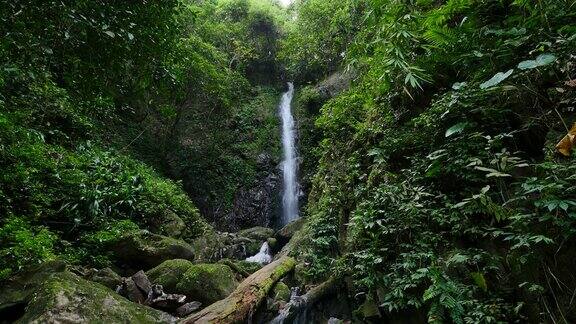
{"x":167,"y":223}
{"x":169,"y":273}
{"x":17,"y":292}
{"x":207,"y":283}
{"x":66,"y":298}
{"x":260,"y":234}
{"x":106,"y":277}
{"x":147,"y":250}
{"x":287,"y":232}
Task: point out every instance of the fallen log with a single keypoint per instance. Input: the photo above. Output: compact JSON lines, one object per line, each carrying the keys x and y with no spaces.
{"x":242,"y":303}
{"x":299,"y":304}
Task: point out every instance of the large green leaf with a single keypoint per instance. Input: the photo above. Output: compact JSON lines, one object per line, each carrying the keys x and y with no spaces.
{"x":541,"y":60}
{"x":458,"y":128}
{"x":496,"y":79}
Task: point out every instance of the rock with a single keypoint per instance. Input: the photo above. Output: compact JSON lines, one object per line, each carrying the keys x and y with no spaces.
{"x":287,"y":232}
{"x":207,"y":283}
{"x":106,"y":277}
{"x":241,"y":305}
{"x":146,"y":250}
{"x":167,"y":302}
{"x":17,"y":291}
{"x":281,"y":292}
{"x":188,"y":308}
{"x":259,"y":234}
{"x":242,"y":267}
{"x":217,"y":246}
{"x":209,"y":247}
{"x":272,"y":243}
{"x":169,"y":273}
{"x":369,"y":309}
{"x":67,"y":298}
{"x":130,"y":290}
{"x":167,"y":223}
{"x":142,"y":282}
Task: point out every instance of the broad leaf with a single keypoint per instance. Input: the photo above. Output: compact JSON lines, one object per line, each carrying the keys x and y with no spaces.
{"x":496,"y":79}
{"x":541,"y":60}
{"x":458,"y":128}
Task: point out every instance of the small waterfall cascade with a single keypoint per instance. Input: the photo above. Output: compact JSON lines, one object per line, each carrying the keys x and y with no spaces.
{"x":291,"y":187}
{"x":263,"y":257}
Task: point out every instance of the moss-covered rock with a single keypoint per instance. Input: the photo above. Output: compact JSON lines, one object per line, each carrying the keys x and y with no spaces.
{"x":272,"y":243}
{"x":281,"y":292}
{"x":67,"y":298}
{"x":287,"y":232}
{"x":17,"y":291}
{"x":259,"y":234}
{"x":242,"y":267}
{"x":207,"y":283}
{"x":169,"y":273}
{"x":167,"y":223}
{"x":106,"y":277}
{"x":146,"y":250}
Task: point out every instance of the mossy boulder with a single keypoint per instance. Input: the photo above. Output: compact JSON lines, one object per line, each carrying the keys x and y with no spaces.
{"x":207,"y":283}
{"x":281,"y":292}
{"x":167,"y":223}
{"x":259,"y":234}
{"x":169,"y":273}
{"x":18,"y":291}
{"x":242,"y":267}
{"x":287,"y":232}
{"x":145,"y":250}
{"x":66,"y":298}
{"x":106,"y":277}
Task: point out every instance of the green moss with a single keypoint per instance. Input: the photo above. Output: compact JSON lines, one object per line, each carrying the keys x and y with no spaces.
{"x":207,"y":283}
{"x":147,"y":250}
{"x":242,"y":267}
{"x":257,"y":233}
{"x":65,"y":297}
{"x":281,"y":292}
{"x":169,"y":273}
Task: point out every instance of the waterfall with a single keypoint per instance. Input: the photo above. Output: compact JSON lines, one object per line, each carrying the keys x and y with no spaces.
{"x":291,"y":188}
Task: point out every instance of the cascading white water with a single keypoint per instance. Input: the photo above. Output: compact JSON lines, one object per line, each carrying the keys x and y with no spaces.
{"x":291,"y":188}
{"x":263,"y":257}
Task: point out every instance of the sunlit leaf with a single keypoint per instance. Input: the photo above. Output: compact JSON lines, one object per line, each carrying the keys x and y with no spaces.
{"x":541,"y":60}
{"x":496,"y":79}
{"x":458,"y":128}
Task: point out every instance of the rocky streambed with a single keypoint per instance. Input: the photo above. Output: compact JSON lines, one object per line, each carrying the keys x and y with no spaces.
{"x":159,"y":279}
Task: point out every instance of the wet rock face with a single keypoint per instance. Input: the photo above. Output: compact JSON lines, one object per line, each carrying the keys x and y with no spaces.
{"x":256,"y":205}
{"x":259,"y":205}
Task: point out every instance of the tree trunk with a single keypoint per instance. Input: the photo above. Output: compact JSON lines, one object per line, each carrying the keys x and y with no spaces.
{"x":241,"y":305}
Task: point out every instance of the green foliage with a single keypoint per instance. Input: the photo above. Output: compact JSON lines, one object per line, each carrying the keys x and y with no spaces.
{"x":23,"y":245}
{"x":316,"y":40}
{"x":437,"y":188}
